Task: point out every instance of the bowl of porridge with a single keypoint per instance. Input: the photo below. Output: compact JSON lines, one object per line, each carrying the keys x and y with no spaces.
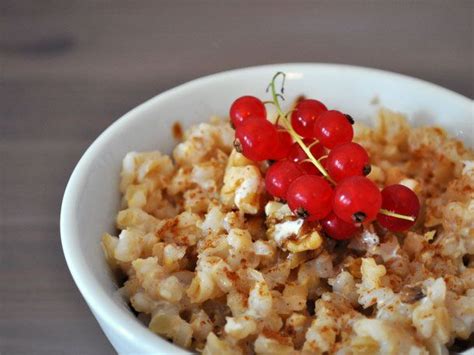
{"x":177,"y":247}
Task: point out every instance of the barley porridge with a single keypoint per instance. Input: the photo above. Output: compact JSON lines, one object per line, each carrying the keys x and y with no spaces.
{"x":215,"y":264}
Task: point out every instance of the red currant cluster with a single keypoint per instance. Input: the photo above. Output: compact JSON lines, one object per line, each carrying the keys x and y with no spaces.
{"x":317,"y":168}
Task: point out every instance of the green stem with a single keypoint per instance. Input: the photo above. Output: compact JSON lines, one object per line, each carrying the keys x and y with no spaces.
{"x":292,"y":132}
{"x":396,"y":215}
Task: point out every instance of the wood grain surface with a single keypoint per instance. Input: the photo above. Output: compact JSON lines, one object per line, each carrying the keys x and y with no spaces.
{"x":68,"y":69}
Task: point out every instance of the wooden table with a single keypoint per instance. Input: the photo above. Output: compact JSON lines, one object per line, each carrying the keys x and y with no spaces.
{"x":68,"y":69}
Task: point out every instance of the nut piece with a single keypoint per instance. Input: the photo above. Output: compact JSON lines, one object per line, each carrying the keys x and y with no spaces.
{"x":307,"y":242}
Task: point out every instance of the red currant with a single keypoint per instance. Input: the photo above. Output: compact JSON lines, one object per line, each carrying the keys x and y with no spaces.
{"x":357,"y":199}
{"x":346,"y":160}
{"x":333,"y":128}
{"x":399,"y":199}
{"x":338,"y":229}
{"x":298,"y":155}
{"x":305,"y":114}
{"x":279,"y":177}
{"x":324,"y":163}
{"x":247,"y":107}
{"x":309,"y":168}
{"x":283,"y":145}
{"x":310,"y":197}
{"x":256,"y":139}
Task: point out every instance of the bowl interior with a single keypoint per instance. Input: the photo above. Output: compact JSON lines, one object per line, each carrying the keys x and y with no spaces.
{"x":91,"y":199}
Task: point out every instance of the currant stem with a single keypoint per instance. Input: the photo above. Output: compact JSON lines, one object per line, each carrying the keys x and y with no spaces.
{"x":396,"y":215}
{"x":313,"y":144}
{"x":290,"y":129}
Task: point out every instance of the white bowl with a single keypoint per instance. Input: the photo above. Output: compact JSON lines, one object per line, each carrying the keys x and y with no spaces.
{"x":91,"y":199}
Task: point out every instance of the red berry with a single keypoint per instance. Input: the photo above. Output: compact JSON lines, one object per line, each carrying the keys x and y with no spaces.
{"x":309,"y":168}
{"x":399,"y":199}
{"x":357,"y":199}
{"x":310,"y":197}
{"x":305,"y":114}
{"x":283,"y":144}
{"x":247,"y":107}
{"x":324,"y":163}
{"x":279,"y":177}
{"x":338,"y":229}
{"x":256,"y":139}
{"x":333,"y":128}
{"x":346,"y":160}
{"x":297,"y":155}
